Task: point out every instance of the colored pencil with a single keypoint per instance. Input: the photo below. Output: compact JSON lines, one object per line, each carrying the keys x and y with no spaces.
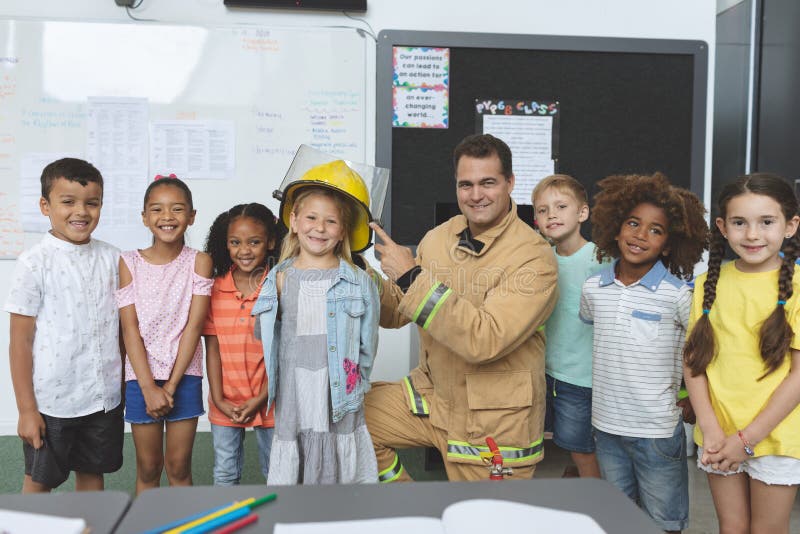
{"x":263,"y":500}
{"x":221,"y":521}
{"x":236,"y":525}
{"x":183,"y":521}
{"x":188,"y":524}
{"x":211,"y":516}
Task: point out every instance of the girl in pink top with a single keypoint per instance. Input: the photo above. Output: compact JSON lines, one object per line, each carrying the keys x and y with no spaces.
{"x":163,"y":299}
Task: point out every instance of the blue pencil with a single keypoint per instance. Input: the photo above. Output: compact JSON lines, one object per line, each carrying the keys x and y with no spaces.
{"x":185,"y":520}
{"x":219,"y":521}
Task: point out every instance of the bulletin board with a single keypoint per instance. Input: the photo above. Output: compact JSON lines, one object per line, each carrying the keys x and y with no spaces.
{"x":625,"y":106}
{"x":229,"y":105}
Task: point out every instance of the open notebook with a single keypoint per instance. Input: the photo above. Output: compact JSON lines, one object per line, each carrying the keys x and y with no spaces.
{"x":25,"y":523}
{"x":478,"y":516}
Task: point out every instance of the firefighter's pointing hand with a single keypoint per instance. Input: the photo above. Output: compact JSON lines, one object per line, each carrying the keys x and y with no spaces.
{"x":396,"y":259}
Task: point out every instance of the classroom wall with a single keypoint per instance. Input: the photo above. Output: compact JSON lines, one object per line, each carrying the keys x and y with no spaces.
{"x":678,"y":19}
{"x":731,"y":99}
{"x":777,"y":105}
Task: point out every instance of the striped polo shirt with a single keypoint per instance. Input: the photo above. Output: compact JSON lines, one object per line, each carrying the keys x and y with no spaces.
{"x":639,"y":332}
{"x":241,"y":354}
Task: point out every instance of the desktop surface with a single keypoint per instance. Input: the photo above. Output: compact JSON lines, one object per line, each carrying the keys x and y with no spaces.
{"x":101,"y":510}
{"x":596,"y":498}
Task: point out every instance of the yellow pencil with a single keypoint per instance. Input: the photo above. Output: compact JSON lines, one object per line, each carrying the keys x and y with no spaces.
{"x":209,"y":517}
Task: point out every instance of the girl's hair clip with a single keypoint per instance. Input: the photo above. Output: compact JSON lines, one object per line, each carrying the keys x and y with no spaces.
{"x":706,"y":311}
{"x":781,"y":302}
{"x":162,"y":177}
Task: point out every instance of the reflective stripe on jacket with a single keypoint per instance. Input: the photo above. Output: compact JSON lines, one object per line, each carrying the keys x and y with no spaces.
{"x":419,"y":405}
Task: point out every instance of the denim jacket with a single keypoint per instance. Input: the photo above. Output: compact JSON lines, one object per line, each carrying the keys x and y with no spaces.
{"x":353,"y":309}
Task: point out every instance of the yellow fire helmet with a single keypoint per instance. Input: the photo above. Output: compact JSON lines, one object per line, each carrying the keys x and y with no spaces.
{"x":336,"y":175}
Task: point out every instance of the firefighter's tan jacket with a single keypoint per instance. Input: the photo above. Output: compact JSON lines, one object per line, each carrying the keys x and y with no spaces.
{"x":479,"y":304}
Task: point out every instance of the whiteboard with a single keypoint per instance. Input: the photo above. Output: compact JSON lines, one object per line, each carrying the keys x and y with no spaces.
{"x":274,"y":88}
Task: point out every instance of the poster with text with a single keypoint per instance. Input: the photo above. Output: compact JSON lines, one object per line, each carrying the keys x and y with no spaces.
{"x":420,"y":87}
{"x":530,"y":129}
{"x":419,"y":107}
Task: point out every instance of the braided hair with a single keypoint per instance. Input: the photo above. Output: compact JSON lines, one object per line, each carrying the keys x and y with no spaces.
{"x":776,"y":333}
{"x":217,"y":239}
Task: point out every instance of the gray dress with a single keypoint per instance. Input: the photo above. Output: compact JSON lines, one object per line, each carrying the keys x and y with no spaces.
{"x":308,"y":448}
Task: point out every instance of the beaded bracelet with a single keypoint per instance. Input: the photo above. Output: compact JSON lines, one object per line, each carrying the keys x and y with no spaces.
{"x":748,"y":449}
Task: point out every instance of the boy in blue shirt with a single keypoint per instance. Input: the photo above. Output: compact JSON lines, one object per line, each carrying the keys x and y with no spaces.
{"x":560,"y":206}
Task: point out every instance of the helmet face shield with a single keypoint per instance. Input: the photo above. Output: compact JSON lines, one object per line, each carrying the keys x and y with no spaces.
{"x":364,"y":184}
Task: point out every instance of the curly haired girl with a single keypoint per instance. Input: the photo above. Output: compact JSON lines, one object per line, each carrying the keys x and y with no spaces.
{"x":639,"y":307}
{"x":742,"y":359}
{"x":243,"y":244}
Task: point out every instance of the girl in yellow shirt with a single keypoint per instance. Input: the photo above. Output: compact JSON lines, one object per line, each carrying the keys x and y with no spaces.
{"x":742,"y":357}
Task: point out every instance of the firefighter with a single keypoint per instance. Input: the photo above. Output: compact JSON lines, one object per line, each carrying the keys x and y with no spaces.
{"x":481,"y":286}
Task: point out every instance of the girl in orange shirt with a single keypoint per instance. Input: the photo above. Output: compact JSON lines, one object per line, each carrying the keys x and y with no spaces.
{"x":243,"y":244}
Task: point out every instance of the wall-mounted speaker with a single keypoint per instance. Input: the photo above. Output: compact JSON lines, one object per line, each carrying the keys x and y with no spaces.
{"x":329,"y":5}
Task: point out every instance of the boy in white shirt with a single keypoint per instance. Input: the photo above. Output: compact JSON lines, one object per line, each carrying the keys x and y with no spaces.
{"x":639,"y":306}
{"x":65,"y":358}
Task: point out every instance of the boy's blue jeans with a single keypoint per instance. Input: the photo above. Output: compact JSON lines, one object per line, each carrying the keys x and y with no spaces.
{"x":229,"y":452}
{"x":651,"y":471}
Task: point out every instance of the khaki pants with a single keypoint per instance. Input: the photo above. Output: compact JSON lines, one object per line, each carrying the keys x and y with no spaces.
{"x":392,"y":425}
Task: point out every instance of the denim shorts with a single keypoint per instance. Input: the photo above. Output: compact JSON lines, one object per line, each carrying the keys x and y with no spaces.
{"x":771,"y":470}
{"x":87,"y":444}
{"x":651,"y":471}
{"x":568,"y":415}
{"x":187,"y":401}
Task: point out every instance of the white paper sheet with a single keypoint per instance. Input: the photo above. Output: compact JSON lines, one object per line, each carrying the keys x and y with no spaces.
{"x":116,"y":143}
{"x":116,"y":136}
{"x":531,"y":142}
{"x":24,"y":523}
{"x":193,"y":149}
{"x":391,"y":525}
{"x":475,"y":516}
{"x":480,"y":516}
